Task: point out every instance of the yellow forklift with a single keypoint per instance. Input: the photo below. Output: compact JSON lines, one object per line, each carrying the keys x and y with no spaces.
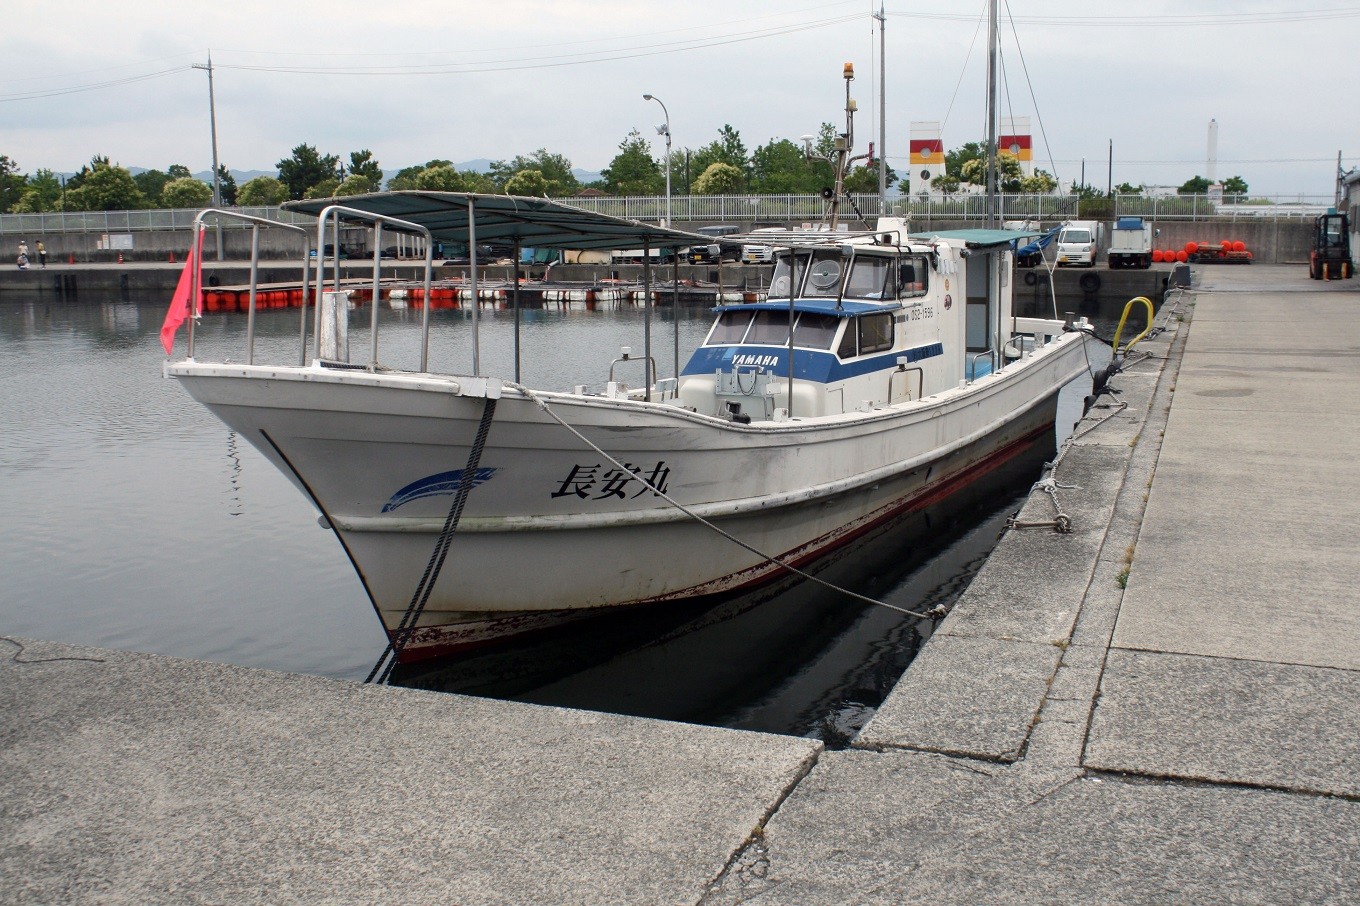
{"x":1330,"y":258}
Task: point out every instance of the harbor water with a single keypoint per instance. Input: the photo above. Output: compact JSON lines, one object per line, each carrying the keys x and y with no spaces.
{"x":135,"y":520}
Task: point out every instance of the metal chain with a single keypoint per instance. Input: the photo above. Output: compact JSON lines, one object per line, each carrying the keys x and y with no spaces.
{"x":1061,"y":522}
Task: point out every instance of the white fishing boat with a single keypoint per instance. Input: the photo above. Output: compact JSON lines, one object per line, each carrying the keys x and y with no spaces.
{"x":884,"y":372}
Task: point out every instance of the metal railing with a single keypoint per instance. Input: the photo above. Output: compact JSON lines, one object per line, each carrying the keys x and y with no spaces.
{"x":750,"y":209}
{"x":171,"y":219}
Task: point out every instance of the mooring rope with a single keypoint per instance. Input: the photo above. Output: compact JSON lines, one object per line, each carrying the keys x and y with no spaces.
{"x":397,"y":639}
{"x":932,"y":614}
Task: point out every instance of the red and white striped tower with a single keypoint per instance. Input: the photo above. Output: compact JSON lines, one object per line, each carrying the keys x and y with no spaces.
{"x":927,"y":155}
{"x":1015,"y":141}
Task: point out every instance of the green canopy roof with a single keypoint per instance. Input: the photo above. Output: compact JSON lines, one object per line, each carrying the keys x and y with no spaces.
{"x":532,"y":222}
{"x":980,"y":238}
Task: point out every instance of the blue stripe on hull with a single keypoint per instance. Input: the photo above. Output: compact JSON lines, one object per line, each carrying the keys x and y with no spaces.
{"x":809,"y":365}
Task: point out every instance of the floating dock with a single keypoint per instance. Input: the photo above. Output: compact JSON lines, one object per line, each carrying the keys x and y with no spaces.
{"x":497,"y":293}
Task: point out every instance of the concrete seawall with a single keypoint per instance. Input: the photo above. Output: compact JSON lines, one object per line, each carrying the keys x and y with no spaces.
{"x":1271,"y":240}
{"x":158,"y":279}
{"x":1155,"y":707}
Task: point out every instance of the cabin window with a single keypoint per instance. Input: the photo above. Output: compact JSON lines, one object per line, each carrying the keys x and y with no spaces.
{"x":771,"y":328}
{"x":729,"y":328}
{"x":824,"y":275}
{"x":913,"y":276}
{"x":866,"y":334}
{"x":780,"y":286}
{"x":875,"y":333}
{"x":815,"y":331}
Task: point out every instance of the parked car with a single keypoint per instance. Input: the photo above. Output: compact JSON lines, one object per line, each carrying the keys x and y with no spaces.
{"x":456,"y":253}
{"x":717,"y":251}
{"x":758,"y":252}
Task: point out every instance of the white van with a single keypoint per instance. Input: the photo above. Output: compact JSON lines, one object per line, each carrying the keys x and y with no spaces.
{"x":757,"y":252}
{"x":1079,"y":243}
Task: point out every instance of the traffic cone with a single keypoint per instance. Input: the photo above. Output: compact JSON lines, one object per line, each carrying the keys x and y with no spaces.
{"x":120,"y":257}
{"x":172,"y":257}
{"x":72,"y":259}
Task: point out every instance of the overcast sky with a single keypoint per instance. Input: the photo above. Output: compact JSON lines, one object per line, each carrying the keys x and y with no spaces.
{"x":413,"y":80}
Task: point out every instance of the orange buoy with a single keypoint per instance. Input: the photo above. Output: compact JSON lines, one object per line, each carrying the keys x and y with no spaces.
{"x":1182,"y":257}
{"x":1157,"y":256}
{"x":1239,"y":246}
{"x":1191,"y":248}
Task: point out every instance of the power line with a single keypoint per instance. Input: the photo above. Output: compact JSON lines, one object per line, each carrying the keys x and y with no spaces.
{"x":1163,"y":21}
{"x":456,"y":68}
{"x":548,"y":62}
{"x":670,"y":31}
{"x":54,"y":92}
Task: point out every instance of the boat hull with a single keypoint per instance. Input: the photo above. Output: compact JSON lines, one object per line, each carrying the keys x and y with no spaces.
{"x":560,"y":525}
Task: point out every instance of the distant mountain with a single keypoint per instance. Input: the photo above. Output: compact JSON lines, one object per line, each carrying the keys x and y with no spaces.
{"x":483,"y":165}
{"x":241,"y":176}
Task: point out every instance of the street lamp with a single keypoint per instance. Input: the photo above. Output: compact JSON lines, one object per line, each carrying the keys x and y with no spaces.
{"x":665,"y":129}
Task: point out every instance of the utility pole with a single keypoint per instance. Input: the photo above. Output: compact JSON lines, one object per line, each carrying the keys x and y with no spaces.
{"x":1109,"y":176}
{"x":217,"y":180}
{"x":991,"y":221}
{"x":882,"y":113}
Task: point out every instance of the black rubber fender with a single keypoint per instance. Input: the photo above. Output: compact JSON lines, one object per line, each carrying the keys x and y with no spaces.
{"x":1090,"y":282}
{"x":1030,"y":278}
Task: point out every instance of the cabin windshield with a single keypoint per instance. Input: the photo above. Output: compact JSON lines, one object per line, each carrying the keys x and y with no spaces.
{"x":729,"y":329}
{"x":871,"y":278}
{"x":1076,"y":236}
{"x":824,"y":275}
{"x":771,"y":328}
{"x":811,"y":330}
{"x":814,"y":331}
{"x":780,"y":287}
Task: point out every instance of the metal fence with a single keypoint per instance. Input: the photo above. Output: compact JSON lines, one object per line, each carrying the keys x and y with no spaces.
{"x":131,"y":221}
{"x":775,"y":209}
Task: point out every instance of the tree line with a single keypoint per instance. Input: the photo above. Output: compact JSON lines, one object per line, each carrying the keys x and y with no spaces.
{"x":721,"y":167}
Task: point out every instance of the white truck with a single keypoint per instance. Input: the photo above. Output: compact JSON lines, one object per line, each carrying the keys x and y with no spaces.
{"x":1131,"y":243}
{"x":1079,"y":243}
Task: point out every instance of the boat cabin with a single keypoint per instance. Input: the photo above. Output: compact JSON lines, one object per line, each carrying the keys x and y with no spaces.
{"x":876,"y":321}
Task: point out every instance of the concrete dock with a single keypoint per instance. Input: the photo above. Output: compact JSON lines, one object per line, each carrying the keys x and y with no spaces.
{"x":1159,"y":706}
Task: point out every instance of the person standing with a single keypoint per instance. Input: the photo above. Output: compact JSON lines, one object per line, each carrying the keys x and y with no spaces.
{"x":42,"y":253}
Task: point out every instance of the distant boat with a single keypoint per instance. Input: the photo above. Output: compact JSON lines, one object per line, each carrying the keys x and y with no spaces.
{"x":884,"y":372}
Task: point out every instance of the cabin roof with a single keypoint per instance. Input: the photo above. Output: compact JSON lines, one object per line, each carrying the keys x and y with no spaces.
{"x":532,"y":222}
{"x":848,"y":307}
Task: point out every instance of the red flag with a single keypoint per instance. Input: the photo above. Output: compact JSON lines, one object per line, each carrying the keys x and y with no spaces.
{"x":188,"y":285}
